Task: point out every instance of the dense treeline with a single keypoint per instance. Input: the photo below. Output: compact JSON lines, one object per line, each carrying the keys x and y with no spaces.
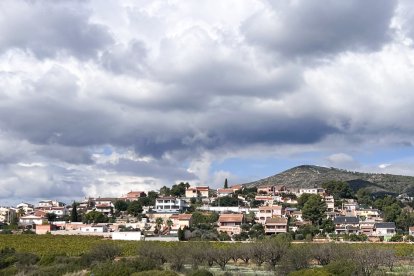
{"x":276,"y":254}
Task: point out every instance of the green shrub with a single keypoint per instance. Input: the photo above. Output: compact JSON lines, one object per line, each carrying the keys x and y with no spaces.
{"x":110,"y":268}
{"x":341,"y":268}
{"x":12,"y":270}
{"x":26,"y":259}
{"x":7,"y":257}
{"x":397,"y":238}
{"x":123,"y":267}
{"x":101,"y":253}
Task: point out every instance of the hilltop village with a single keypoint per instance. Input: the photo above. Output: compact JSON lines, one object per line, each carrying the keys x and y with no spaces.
{"x":232,"y":213}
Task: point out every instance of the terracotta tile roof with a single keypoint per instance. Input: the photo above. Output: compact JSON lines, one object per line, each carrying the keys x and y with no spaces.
{"x":231,"y":218}
{"x":264,"y":188}
{"x":166,"y":198}
{"x":134,"y":194}
{"x":276,"y":220}
{"x":185,"y":216}
{"x":102,"y":205}
{"x":273,"y":207}
{"x":224,"y":191}
{"x":199,"y":188}
{"x":238,"y":187}
{"x":105,"y":199}
{"x":174,"y":216}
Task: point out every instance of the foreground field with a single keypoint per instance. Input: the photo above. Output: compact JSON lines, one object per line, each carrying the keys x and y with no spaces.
{"x":59,"y":255}
{"x":77,"y":245}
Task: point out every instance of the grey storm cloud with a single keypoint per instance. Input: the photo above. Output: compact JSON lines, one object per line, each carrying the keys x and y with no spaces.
{"x":48,"y":29}
{"x":162,"y":169}
{"x":319,"y":27}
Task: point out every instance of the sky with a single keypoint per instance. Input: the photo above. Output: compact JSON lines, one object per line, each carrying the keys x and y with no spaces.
{"x":99,"y":97}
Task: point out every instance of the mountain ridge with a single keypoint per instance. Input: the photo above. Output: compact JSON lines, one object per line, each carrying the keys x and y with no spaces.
{"x":307,"y":176}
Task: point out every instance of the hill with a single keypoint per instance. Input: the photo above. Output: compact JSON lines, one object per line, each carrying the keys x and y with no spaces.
{"x":312,"y":176}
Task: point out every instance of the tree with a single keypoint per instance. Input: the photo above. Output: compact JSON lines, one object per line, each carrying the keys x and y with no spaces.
{"x":95,"y":217}
{"x":158,"y":223}
{"x":74,"y":213}
{"x":135,"y":208}
{"x":165,"y":191}
{"x":181,"y":234}
{"x":405,"y":220}
{"x":275,"y":248}
{"x":21,"y":212}
{"x":170,"y":223}
{"x":302,"y":200}
{"x":314,"y":209}
{"x":179,"y":190}
{"x":392,"y":212}
{"x":364,"y":196}
{"x":338,"y":189}
{"x":328,"y":226}
{"x":121,"y":205}
{"x":227,"y":201}
{"x":225,"y":184}
{"x":148,"y":200}
{"x":51,"y":216}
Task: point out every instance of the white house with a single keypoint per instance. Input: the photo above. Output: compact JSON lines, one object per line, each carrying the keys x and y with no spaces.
{"x":170,"y":204}
{"x":94,"y":229}
{"x":104,"y":200}
{"x":7,"y":214}
{"x":330,"y":203}
{"x":314,"y":191}
{"x":127,"y":236}
{"x":50,"y":203}
{"x":26,"y":207}
{"x":349,"y":207}
{"x":58,"y":211}
{"x":266,"y":212}
{"x":32,"y":219}
{"x":384,"y":229}
{"x":106,"y":209}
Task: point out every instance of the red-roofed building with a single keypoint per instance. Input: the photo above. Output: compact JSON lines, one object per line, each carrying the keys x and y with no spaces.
{"x":266,"y":212}
{"x":236,"y":187}
{"x":276,"y":225}
{"x":230,"y":223}
{"x":134,"y":195}
{"x":181,"y":220}
{"x":201,"y":191}
{"x":224,"y":192}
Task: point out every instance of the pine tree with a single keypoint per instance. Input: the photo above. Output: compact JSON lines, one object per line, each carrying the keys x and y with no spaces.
{"x":74,"y":213}
{"x":225,"y":184}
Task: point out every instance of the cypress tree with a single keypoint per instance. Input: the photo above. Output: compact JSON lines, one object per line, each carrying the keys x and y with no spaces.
{"x":225,"y":184}
{"x":74,"y":213}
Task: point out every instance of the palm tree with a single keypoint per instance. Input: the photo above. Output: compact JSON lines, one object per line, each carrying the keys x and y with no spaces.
{"x":21,"y":212}
{"x":170,"y":223}
{"x":159,"y":222}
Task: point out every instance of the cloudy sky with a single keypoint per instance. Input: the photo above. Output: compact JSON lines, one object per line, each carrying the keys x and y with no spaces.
{"x":103,"y":97}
